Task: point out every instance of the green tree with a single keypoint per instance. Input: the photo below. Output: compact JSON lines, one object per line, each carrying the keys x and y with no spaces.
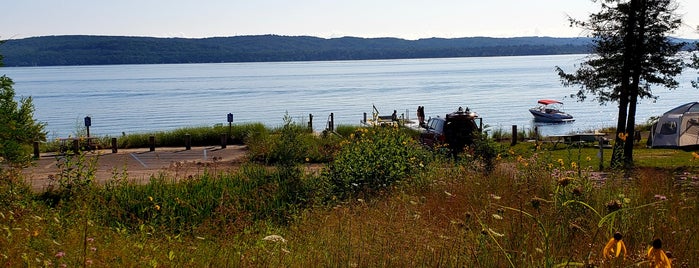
{"x":18,"y":129}
{"x":632,"y":53}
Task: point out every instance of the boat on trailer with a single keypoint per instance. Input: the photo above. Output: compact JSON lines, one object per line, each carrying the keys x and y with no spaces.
{"x":550,"y":111}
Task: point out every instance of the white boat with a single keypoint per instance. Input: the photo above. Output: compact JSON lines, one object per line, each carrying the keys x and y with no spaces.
{"x":550,"y":111}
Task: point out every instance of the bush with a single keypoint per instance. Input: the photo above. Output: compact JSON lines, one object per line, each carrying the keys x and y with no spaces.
{"x":372,"y":159}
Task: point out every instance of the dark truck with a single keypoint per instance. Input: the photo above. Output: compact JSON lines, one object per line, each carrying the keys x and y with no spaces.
{"x":456,"y":131}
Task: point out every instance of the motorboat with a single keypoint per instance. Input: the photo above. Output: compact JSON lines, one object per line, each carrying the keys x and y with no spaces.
{"x":550,"y":111}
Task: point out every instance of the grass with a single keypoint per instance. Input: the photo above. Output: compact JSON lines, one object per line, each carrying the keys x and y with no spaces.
{"x":538,"y":207}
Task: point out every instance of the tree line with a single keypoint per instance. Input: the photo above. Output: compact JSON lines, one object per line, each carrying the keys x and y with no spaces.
{"x":100,"y":50}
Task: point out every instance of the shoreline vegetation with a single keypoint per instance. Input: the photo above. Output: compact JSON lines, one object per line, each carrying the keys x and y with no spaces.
{"x":379,"y":198}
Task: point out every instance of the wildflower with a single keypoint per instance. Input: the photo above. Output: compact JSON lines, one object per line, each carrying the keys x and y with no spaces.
{"x":657,"y":256}
{"x":157,"y":207}
{"x":623,"y":136}
{"x":614,"y":246}
{"x":308,"y":159}
{"x":660,"y":197}
{"x":60,"y":254}
{"x":560,"y":161}
{"x":564,"y":181}
{"x":614,"y":205}
{"x":150,"y":198}
{"x":588,"y":158}
{"x":274,"y":238}
{"x":695,"y":156}
{"x":573,"y":165}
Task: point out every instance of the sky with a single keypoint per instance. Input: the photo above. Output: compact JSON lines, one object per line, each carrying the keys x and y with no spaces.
{"x":407,"y":19}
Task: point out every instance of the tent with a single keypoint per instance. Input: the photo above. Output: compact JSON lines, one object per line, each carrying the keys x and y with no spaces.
{"x":677,"y":128}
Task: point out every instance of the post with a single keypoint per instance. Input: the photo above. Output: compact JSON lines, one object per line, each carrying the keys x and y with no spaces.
{"x":114,"y":145}
{"x":332,"y":122}
{"x":310,"y":122}
{"x":151,"y":141}
{"x":230,"y":123}
{"x":36,"y":150}
{"x":187,"y":142}
{"x":76,"y":146}
{"x":88,"y":123}
{"x":514,"y":135}
{"x":364,"y":120}
{"x":601,"y":153}
{"x":224,"y":137}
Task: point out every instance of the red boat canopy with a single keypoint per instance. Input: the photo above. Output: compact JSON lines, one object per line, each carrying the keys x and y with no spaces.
{"x":548,"y":101}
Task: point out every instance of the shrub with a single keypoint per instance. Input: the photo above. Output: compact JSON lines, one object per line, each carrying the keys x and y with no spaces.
{"x":372,"y":159}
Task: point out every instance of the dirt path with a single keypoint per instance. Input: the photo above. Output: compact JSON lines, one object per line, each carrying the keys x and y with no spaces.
{"x":140,"y":164}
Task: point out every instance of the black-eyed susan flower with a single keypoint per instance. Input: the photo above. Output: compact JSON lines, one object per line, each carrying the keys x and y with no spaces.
{"x":656,"y":255}
{"x":623,"y":136}
{"x":614,"y":247}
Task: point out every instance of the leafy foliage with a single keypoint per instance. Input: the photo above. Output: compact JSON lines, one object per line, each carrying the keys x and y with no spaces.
{"x":372,"y":159}
{"x":18,"y":129}
{"x":632,"y":53}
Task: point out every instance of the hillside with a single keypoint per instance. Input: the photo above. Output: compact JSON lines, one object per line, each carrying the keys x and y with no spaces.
{"x":99,"y":50}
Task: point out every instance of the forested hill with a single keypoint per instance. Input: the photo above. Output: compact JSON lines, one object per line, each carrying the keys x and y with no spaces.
{"x":97,"y":50}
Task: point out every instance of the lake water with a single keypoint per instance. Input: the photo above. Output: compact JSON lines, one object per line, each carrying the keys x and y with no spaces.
{"x":143,"y":98}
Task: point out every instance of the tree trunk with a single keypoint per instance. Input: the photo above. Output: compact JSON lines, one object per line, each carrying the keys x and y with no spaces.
{"x":624,"y":90}
{"x":638,"y":56}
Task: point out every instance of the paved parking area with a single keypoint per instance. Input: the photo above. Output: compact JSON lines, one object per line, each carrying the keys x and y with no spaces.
{"x":140,"y":164}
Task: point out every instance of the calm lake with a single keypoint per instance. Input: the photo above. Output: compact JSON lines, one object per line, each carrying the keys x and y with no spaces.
{"x":144,"y":98}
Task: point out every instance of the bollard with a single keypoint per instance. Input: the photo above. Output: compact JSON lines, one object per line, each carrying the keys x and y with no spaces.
{"x":187,"y":142}
{"x":364,"y":119}
{"x":114,"y":145}
{"x":151,"y":141}
{"x":514,"y":135}
{"x":76,"y":146}
{"x":601,"y":153}
{"x":310,"y":122}
{"x":224,"y":137}
{"x":36,"y":150}
{"x":332,"y":122}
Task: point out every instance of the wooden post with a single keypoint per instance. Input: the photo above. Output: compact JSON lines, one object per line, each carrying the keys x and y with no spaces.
{"x":36,"y":150}
{"x":332,"y":122}
{"x":514,"y":135}
{"x":224,"y":137}
{"x":364,"y":120}
{"x":76,"y":146}
{"x":114,"y":145}
{"x":187,"y":142}
{"x":310,"y":122}
{"x":601,"y":153}
{"x":151,"y":141}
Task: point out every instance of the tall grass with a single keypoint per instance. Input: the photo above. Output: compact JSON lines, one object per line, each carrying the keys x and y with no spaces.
{"x":537,"y":207}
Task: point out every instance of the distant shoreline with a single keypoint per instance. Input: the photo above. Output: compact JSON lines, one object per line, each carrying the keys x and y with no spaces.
{"x":114,"y":50}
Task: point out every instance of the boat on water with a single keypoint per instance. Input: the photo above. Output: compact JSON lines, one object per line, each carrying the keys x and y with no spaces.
{"x":550,"y":111}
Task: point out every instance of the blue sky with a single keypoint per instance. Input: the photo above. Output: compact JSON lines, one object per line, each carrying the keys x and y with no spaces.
{"x":409,"y":19}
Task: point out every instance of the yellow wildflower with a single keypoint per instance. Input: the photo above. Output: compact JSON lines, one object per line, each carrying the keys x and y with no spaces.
{"x":614,"y":246}
{"x":150,"y":198}
{"x":623,"y":136}
{"x":573,"y":165}
{"x":157,"y":207}
{"x":695,"y":156}
{"x":560,"y":161}
{"x":657,"y":256}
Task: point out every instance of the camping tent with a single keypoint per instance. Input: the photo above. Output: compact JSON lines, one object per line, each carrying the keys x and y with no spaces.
{"x":677,"y":128}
